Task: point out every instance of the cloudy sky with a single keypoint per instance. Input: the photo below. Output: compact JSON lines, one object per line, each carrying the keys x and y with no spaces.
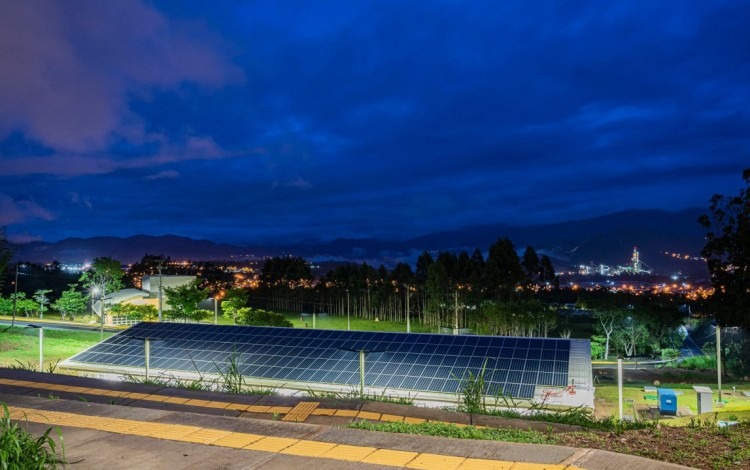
{"x":251,"y":122}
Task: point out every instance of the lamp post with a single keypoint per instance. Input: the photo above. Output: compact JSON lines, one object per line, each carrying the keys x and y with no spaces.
{"x":41,"y":345}
{"x":619,"y":385}
{"x":160,"y":305}
{"x":15,"y":297}
{"x":216,"y":310}
{"x":718,"y":358}
{"x":408,"y":311}
{"x":348,"y":318}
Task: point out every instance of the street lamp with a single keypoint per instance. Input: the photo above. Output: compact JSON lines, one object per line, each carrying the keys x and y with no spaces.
{"x":718,"y":357}
{"x":15,"y":297}
{"x":216,"y":310}
{"x":41,"y":345}
{"x":348,"y":318}
{"x":408,"y":312}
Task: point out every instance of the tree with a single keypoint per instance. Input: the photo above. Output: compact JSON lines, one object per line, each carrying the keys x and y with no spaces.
{"x":184,"y":301}
{"x":41,"y":298}
{"x":727,"y":253}
{"x":72,"y":302}
{"x":630,"y":334}
{"x":136,"y":312}
{"x":5,"y":254}
{"x":257,"y":317}
{"x":531,"y":266}
{"x":234,"y":300}
{"x":105,"y":274}
{"x":608,"y":318}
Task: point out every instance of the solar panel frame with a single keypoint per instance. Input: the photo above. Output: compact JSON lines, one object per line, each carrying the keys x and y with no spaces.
{"x":417,"y":362}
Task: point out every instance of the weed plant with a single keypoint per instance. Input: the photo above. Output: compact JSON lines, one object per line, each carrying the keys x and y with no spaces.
{"x":20,"y":450}
{"x":353,"y":394}
{"x":463,"y":432}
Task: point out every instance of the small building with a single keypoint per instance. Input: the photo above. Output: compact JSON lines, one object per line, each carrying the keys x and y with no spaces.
{"x":148,"y":295}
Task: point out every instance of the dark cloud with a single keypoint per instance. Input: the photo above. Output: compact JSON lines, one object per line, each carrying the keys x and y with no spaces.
{"x":290,"y":120}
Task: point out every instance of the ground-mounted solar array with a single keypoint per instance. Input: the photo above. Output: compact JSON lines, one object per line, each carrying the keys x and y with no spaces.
{"x":417,"y":362}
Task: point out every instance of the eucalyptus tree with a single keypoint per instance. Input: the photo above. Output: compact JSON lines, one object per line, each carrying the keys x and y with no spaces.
{"x":40,"y":297}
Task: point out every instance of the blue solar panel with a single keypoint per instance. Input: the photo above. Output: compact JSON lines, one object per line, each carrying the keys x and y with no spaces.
{"x":414,"y":362}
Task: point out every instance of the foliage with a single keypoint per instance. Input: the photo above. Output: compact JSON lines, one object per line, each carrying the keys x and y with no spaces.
{"x":21,"y":450}
{"x":136,"y":312}
{"x":232,"y":380}
{"x":459,"y":432}
{"x":257,"y":317}
{"x":5,"y":254}
{"x":105,"y":274}
{"x":670,"y":354}
{"x":234,"y":299}
{"x":41,"y":298}
{"x":184,"y":300}
{"x":727,"y":252}
{"x":353,"y":393}
{"x":72,"y":302}
{"x":472,"y":391}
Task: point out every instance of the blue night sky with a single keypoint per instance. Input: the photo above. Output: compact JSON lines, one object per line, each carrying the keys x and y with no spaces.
{"x":250,"y":122}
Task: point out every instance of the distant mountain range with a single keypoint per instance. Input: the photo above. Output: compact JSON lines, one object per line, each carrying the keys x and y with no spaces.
{"x":607,"y":240}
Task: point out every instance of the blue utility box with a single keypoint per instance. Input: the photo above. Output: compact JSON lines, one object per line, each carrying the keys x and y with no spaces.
{"x":667,"y":401}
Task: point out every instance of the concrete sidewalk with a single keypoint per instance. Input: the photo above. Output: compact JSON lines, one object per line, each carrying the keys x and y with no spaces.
{"x":168,"y":435}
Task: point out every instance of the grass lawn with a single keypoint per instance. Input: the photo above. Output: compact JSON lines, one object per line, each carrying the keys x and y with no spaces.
{"x":607,"y":396}
{"x":334,"y":322}
{"x":22,"y":344}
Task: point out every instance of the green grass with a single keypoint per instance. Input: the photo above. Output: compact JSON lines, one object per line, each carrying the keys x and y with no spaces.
{"x":22,"y":345}
{"x":19,"y":449}
{"x":460,"y":432}
{"x":334,"y":322}
{"x":607,"y":396}
{"x":354,"y":394}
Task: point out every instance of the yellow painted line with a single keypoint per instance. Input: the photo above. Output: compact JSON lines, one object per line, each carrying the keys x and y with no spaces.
{"x":205,"y":436}
{"x":280,"y":409}
{"x":349,"y":453}
{"x":197,"y":402}
{"x":237,"y":406}
{"x":258,"y":409}
{"x":484,"y":464}
{"x":346,"y":413}
{"x":300,"y":412}
{"x":368,"y":415}
{"x":436,"y":462}
{"x":391,"y":418}
{"x":136,"y":395}
{"x":217,"y":404}
{"x":177,"y":400}
{"x":291,"y":446}
{"x":237,"y":440}
{"x":158,"y":398}
{"x":323,"y":412}
{"x":309,"y":448}
{"x":75,"y":389}
{"x":394,"y":458}
{"x":409,"y":420}
{"x":272,"y":444}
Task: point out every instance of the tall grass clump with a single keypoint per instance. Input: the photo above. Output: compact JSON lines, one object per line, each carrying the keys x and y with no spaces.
{"x":20,"y":450}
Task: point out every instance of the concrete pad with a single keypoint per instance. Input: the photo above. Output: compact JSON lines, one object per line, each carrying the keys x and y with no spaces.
{"x":285,"y":462}
{"x":339,"y":404}
{"x":328,"y":420}
{"x":493,"y":450}
{"x":605,"y":460}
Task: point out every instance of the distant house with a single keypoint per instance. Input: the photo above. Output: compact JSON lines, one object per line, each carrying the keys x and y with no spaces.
{"x":148,"y":295}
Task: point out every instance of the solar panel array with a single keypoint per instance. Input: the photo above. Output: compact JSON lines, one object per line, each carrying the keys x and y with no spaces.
{"x":414,"y":362}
